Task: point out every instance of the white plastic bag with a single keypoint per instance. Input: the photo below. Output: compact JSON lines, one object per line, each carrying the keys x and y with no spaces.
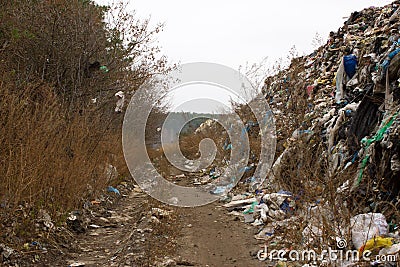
{"x":366,"y":226}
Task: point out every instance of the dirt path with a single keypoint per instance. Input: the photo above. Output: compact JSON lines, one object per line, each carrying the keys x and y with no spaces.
{"x":117,"y":236}
{"x":138,"y":231}
{"x":211,"y":237}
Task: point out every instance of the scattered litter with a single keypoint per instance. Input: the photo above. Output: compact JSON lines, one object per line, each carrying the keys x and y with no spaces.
{"x":113,"y":190}
{"x":6,"y":251}
{"x":160,"y":213}
{"x":44,"y":217}
{"x":120,"y":102}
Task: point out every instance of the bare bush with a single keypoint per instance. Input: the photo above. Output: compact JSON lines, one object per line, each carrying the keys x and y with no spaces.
{"x":61,"y":64}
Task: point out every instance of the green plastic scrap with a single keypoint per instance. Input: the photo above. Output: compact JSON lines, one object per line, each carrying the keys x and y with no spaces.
{"x":377,"y":137}
{"x":251,"y":209}
{"x":104,"y":69}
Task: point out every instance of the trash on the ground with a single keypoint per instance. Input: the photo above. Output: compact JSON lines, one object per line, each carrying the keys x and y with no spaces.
{"x":95,"y":202}
{"x":215,"y":173}
{"x":160,"y":213}
{"x":44,"y":217}
{"x":120,"y":102}
{"x":239,"y":203}
{"x":6,"y":251}
{"x":248,"y":217}
{"x":113,"y":190}
{"x":75,"y":223}
{"x":365,"y":227}
{"x":250,"y":209}
{"x":38,"y":245}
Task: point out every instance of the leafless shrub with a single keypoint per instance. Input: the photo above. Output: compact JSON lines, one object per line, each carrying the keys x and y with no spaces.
{"x":56,"y":57}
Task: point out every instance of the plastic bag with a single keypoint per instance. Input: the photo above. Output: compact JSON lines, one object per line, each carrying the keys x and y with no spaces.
{"x":350,"y":65}
{"x":366,"y":226}
{"x":377,"y":243}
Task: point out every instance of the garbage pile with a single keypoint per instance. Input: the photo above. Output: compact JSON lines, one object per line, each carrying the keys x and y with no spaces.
{"x":351,"y":89}
{"x":346,"y":94}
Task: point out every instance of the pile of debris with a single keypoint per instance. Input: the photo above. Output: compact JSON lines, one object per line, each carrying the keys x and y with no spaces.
{"x":341,"y":103}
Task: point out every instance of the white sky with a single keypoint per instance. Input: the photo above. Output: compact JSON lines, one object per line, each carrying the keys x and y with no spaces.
{"x":203,"y":98}
{"x":232,"y":32}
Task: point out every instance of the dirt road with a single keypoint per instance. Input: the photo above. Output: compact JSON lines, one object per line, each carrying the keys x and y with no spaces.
{"x":138,"y":231}
{"x":211,"y":237}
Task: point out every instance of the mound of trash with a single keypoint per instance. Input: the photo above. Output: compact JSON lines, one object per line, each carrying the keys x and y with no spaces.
{"x":335,"y":179}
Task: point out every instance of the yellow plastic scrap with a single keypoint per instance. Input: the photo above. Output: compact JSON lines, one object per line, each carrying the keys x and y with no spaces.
{"x":377,"y":243}
{"x":334,"y":79}
{"x":286,"y":144}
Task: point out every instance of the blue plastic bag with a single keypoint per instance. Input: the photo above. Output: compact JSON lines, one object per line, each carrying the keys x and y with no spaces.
{"x":113,"y":190}
{"x":350,"y":65}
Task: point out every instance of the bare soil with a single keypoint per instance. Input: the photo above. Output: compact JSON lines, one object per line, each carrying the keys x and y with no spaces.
{"x":211,"y":237}
{"x":132,"y":233}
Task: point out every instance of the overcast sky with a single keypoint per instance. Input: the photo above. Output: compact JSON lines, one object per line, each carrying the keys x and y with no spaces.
{"x":232,"y":32}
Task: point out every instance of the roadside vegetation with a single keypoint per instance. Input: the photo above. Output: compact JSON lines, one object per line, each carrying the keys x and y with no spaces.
{"x":61,"y":64}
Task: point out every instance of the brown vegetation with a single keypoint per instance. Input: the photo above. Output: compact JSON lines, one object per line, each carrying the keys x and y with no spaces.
{"x":62,"y":61}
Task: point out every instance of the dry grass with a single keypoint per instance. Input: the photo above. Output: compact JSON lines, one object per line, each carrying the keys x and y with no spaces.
{"x":51,"y":159}
{"x":56,"y":146}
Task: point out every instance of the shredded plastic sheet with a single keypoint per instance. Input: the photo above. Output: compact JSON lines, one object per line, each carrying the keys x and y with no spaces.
{"x":251,"y":209}
{"x":377,"y":137}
